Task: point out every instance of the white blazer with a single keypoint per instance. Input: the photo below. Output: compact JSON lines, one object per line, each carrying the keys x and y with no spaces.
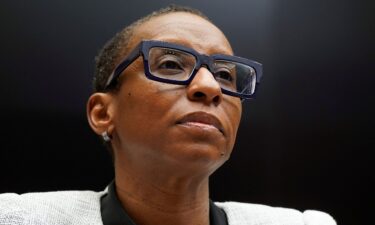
{"x":83,"y":208}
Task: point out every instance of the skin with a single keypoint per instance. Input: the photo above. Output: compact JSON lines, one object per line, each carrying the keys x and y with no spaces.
{"x":162,"y":165}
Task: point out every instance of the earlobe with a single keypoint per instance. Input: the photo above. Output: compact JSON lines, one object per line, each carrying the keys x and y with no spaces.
{"x":100,"y":114}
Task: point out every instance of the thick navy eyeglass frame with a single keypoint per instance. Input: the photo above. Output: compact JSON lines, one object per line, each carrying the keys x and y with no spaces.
{"x":143,"y":49}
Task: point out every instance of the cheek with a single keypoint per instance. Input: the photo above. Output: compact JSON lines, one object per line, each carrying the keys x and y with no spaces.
{"x":143,"y":110}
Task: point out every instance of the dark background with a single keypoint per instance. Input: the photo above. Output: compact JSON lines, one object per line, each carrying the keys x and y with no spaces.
{"x":306,"y":142}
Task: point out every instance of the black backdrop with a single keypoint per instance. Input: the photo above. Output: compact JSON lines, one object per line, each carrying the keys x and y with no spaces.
{"x":305,"y":142}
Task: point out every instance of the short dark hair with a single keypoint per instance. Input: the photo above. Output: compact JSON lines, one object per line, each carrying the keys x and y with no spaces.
{"x":112,"y":50}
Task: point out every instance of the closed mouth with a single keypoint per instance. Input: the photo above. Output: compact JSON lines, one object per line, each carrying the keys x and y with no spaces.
{"x":201,"y":119}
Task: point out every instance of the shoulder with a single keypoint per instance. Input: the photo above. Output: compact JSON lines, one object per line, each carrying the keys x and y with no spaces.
{"x":61,"y":207}
{"x":253,"y":214}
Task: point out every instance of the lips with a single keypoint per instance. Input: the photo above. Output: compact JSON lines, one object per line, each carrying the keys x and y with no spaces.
{"x":202,"y":120}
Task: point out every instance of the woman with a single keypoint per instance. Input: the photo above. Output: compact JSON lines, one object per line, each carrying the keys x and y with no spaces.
{"x":167,"y":102}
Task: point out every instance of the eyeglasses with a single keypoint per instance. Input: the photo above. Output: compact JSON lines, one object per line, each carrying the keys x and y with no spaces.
{"x":175,"y":64}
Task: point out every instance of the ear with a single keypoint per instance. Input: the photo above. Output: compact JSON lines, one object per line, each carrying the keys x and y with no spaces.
{"x":100,"y":112}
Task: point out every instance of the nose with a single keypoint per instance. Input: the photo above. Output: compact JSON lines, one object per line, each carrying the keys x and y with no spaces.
{"x":204,"y":88}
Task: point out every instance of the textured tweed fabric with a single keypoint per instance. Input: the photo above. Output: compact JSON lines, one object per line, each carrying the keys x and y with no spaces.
{"x":83,"y":208}
{"x":255,"y":214}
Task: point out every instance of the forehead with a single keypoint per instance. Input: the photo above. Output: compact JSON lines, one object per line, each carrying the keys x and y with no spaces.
{"x":186,"y":29}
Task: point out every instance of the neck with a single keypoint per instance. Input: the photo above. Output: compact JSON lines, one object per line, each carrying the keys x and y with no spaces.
{"x":161,"y":199}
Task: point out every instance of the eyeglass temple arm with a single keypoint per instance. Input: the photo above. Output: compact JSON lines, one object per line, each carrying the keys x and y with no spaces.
{"x":123,"y":65}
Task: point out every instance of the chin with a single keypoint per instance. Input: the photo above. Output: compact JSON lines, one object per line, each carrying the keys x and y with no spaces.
{"x":200,"y":156}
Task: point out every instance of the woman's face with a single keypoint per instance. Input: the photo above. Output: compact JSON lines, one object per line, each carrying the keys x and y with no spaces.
{"x":162,"y":124}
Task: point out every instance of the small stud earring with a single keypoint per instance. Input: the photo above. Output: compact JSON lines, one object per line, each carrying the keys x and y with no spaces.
{"x":106,"y":137}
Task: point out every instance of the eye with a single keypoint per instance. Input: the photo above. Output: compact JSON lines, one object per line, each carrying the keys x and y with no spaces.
{"x":224,"y":75}
{"x":170,"y":65}
{"x":165,"y":63}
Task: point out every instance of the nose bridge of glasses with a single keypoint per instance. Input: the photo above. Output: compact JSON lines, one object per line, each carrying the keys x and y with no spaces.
{"x":206,"y":62}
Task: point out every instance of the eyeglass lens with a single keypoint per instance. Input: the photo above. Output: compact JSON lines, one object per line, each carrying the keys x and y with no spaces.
{"x":173,"y":64}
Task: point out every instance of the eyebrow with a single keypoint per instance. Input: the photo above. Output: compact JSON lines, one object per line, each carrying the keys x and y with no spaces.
{"x":213,"y":50}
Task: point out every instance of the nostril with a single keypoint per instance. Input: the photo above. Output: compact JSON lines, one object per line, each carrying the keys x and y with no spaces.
{"x":216,"y":99}
{"x":199,"y":94}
